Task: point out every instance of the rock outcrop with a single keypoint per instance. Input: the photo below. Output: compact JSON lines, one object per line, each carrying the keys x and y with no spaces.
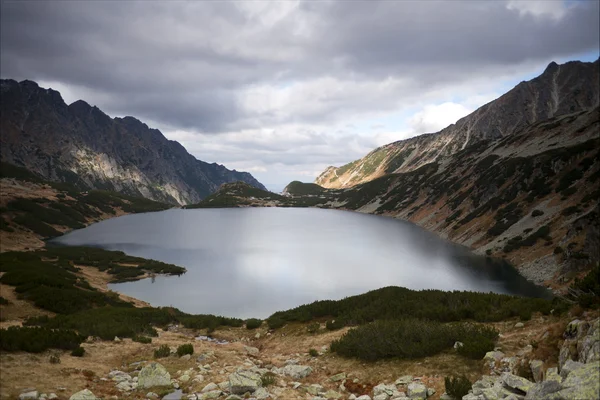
{"x":79,"y":144}
{"x":152,"y":375}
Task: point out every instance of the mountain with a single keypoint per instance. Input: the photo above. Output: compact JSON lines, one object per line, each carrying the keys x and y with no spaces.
{"x":559,"y":90}
{"x":80,"y":144}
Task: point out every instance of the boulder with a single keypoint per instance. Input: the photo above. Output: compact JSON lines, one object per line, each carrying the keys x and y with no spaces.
{"x":542,"y":390}
{"x":297,"y":371}
{"x":519,"y":325}
{"x":332,"y":394}
{"x":314,"y":389}
{"x":261,"y":394}
{"x":588,"y":347}
{"x":552,"y":375}
{"x":537,"y":370}
{"x":581,"y":383}
{"x":253,"y":351}
{"x":210,"y":387}
{"x":364,"y":397}
{"x":213,"y":394}
{"x":516,"y":382}
{"x":152,"y":375}
{"x":569,"y":367}
{"x":244,"y":381}
{"x":381,"y":396}
{"x":85,"y":394}
{"x":417,"y":391}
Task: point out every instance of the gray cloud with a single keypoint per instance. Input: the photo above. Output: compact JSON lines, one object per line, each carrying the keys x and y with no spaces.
{"x":222,"y":67}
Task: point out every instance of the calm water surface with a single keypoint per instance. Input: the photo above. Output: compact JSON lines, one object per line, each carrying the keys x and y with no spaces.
{"x":251,"y":262}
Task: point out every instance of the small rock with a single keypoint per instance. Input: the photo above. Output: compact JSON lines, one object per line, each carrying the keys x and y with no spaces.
{"x":332,"y":394}
{"x":314,"y":389}
{"x":381,"y":396}
{"x":152,"y":395}
{"x":542,"y":390}
{"x":233,"y":397}
{"x":257,"y":336}
{"x":261,"y":394}
{"x":210,"y":387}
{"x":32,"y":394}
{"x":253,"y":351}
{"x":185,"y":357}
{"x":537,"y":370}
{"x":117,"y":339}
{"x":338,"y":377}
{"x":213,"y":394}
{"x":516,"y":382}
{"x":297,"y":371}
{"x":446,"y":396}
{"x":364,"y":397}
{"x":52,"y":396}
{"x":85,"y":394}
{"x":430,"y":392}
{"x":417,"y":391}
{"x":244,"y":381}
{"x":519,"y":325}
{"x":404,"y":380}
{"x":458,"y":345}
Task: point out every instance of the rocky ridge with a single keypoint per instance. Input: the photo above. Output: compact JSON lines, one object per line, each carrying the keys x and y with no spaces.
{"x":80,"y":144}
{"x":559,"y":90}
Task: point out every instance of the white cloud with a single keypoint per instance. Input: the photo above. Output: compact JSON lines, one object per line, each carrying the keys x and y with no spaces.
{"x":435,"y":117}
{"x":554,"y":9}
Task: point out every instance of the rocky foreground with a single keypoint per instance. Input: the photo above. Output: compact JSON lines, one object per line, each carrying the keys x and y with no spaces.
{"x":247,"y":372}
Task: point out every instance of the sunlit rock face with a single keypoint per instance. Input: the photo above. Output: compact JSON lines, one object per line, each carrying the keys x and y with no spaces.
{"x":79,"y":144}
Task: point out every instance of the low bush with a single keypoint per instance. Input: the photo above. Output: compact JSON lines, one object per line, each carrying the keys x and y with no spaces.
{"x":185,"y":349}
{"x":38,"y":339}
{"x":457,"y":387}
{"x":54,"y":359}
{"x":537,"y":213}
{"x":78,"y":352}
{"x":3,"y":301}
{"x":142,"y":339}
{"x":334,"y":324}
{"x":313,"y":352}
{"x":313,"y":328}
{"x":268,"y":379}
{"x":162,"y":351}
{"x":412,"y":338}
{"x":558,"y":250}
{"x":275,"y":322}
{"x":586,"y":291}
{"x":253,"y":323}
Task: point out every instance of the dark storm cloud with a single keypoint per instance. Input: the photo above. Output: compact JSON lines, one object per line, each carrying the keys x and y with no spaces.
{"x":185,"y":64}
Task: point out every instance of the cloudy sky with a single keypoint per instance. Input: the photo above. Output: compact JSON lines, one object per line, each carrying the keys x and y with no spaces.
{"x":283,"y":89}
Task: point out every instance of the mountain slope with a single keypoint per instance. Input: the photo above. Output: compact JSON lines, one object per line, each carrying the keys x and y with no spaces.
{"x":80,"y":144}
{"x":560,"y":89}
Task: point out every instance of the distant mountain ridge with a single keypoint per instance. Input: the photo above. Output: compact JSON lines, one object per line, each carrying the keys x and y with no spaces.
{"x":80,"y":144}
{"x":559,"y":90}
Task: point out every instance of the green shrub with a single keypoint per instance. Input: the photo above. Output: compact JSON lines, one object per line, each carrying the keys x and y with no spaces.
{"x":313,"y":328}
{"x":3,"y":301}
{"x":38,"y":339}
{"x":275,"y":322}
{"x":142,"y":339}
{"x":253,"y":323}
{"x":162,"y":351}
{"x":78,"y":352}
{"x":558,"y":250}
{"x":412,"y":338}
{"x":334,"y":324}
{"x":586,"y":291}
{"x":313,"y":352}
{"x":54,"y":359}
{"x":184,"y":349}
{"x":537,"y":213}
{"x":457,"y":387}
{"x":268,"y":379}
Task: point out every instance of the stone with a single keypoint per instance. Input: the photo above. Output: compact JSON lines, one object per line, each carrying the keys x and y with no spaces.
{"x":569,"y":367}
{"x":233,"y":397}
{"x":338,"y":377}
{"x":543,"y":389}
{"x":210,"y":387}
{"x":581,"y":383}
{"x":537,"y":370}
{"x":458,"y":345}
{"x":381,"y":396}
{"x":213,"y":394}
{"x":313,"y":389}
{"x":332,"y":394}
{"x":417,"y":391}
{"x":430,"y":392}
{"x":519,"y":325}
{"x":85,"y":394}
{"x":446,"y":396}
{"x":152,"y":395}
{"x":472,"y":396}
{"x":404,"y":380}
{"x":117,"y":339}
{"x":261,"y":394}
{"x":119,"y":376}
{"x":297,"y":371}
{"x":516,"y":382}
{"x":52,"y":396}
{"x":588,"y":348}
{"x":493,"y":356}
{"x":224,"y":386}
{"x":364,"y":397}
{"x":184,"y":378}
{"x":244,"y":381}
{"x":32,"y":394}
{"x":552,"y":375}
{"x":124,"y":386}
{"x":152,"y":375}
{"x":352,"y":397}
{"x":513,"y":396}
{"x":253,"y":351}
{"x":388,"y":390}
{"x":185,"y":357}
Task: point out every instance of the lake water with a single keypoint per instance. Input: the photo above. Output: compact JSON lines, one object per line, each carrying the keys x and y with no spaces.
{"x":251,"y":262}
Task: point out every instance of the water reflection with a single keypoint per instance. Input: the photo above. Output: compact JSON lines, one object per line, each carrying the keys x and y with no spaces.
{"x":251,"y":262}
